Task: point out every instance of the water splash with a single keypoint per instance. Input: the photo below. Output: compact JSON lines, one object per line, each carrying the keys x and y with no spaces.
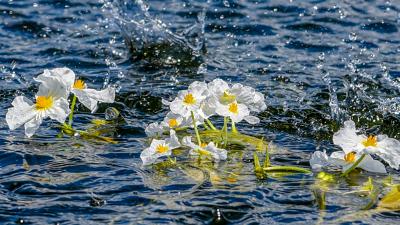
{"x":152,"y":40}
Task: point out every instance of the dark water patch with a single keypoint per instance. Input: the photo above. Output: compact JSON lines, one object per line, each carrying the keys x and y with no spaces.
{"x":257,"y":30}
{"x":380,"y":27}
{"x":310,"y":47}
{"x":333,"y":20}
{"x":287,"y":9}
{"x":32,"y":28}
{"x":312,"y":27}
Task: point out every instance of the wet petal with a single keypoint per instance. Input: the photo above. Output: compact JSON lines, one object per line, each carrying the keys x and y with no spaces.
{"x":173,"y":140}
{"x":153,"y":129}
{"x":56,"y":82}
{"x":372,"y":165}
{"x":347,"y":138}
{"x":32,"y":125}
{"x":22,"y":112}
{"x":389,"y":150}
{"x":187,"y":141}
{"x":319,"y":160}
{"x":60,"y":110}
{"x":252,"y":119}
{"x":337,"y":159}
{"x":217,"y":153}
{"x":90,"y":97}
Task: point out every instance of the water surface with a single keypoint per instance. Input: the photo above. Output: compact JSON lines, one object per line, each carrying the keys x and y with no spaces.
{"x":318,"y":63}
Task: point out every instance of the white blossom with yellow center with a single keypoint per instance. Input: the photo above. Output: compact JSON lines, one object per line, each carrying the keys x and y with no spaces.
{"x":207,"y":150}
{"x":189,"y":100}
{"x":236,"y":112}
{"x":320,"y":160}
{"x":88,"y":97}
{"x":221,"y":92}
{"x":381,"y":145}
{"x":159,"y":148}
{"x":50,"y":102}
{"x":171,"y":121}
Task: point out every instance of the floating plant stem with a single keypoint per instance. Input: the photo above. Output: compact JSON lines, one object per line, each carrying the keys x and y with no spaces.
{"x":345,"y":173}
{"x":206,"y":126}
{"x":71,"y":114}
{"x":210,"y":124}
{"x":293,"y":169}
{"x":225,"y":128}
{"x":234,"y":130}
{"x":258,"y":170}
{"x":195,"y":129}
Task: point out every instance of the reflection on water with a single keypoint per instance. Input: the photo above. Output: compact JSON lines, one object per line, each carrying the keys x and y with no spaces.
{"x":317,"y":62}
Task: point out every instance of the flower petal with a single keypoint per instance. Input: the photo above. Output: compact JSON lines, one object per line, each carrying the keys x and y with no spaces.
{"x":32,"y":125}
{"x":22,"y":112}
{"x":56,"y":82}
{"x":217,"y":153}
{"x":347,"y":138}
{"x":173,"y":140}
{"x":90,"y":97}
{"x":153,"y":129}
{"x":337,"y":159}
{"x":372,"y":165}
{"x":319,"y":160}
{"x":60,"y":110}
{"x":252,"y":119}
{"x":388,"y":149}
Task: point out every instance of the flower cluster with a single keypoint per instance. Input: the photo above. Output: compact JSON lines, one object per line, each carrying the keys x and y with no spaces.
{"x":357,"y":151}
{"x":194,"y":107}
{"x":51,"y":100}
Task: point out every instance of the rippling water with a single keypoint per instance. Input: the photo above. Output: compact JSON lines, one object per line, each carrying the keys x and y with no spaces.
{"x":318,"y":63}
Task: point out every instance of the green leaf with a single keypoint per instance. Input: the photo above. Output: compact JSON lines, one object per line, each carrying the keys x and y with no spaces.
{"x":391,"y":200}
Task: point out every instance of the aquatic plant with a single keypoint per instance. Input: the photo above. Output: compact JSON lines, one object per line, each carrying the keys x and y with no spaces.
{"x":56,"y":85}
{"x":195,"y":107}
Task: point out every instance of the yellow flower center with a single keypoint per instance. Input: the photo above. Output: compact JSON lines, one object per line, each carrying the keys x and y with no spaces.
{"x":350,"y":157}
{"x":43,"y":102}
{"x":233,"y":108}
{"x":370,"y":141}
{"x":79,"y":84}
{"x":203,"y":145}
{"x":227,"y":98}
{"x":162,"y":148}
{"x":189,"y":99}
{"x":172,"y":123}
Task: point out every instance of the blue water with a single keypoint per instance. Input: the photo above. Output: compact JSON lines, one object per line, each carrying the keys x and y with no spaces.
{"x":317,"y":62}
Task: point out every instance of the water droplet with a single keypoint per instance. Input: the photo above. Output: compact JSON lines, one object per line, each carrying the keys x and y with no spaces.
{"x":353,"y":36}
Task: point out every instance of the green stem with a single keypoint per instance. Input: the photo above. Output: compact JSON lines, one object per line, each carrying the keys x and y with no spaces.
{"x":171,"y":160}
{"x":71,"y":114}
{"x":211,"y":124}
{"x":195,"y":129}
{"x":206,"y":126}
{"x":234,"y":130}
{"x":345,"y":173}
{"x":290,"y":169}
{"x":225,"y":131}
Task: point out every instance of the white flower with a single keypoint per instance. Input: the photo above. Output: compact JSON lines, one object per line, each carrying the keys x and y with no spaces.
{"x":189,"y":100}
{"x":224,"y":94}
{"x":236,"y":112}
{"x":320,"y":160}
{"x":154,"y":129}
{"x":88,"y":97}
{"x":159,"y":148}
{"x":386,"y":148}
{"x":209,"y":149}
{"x":50,"y":102}
{"x":171,"y":121}
{"x":254,"y":100}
